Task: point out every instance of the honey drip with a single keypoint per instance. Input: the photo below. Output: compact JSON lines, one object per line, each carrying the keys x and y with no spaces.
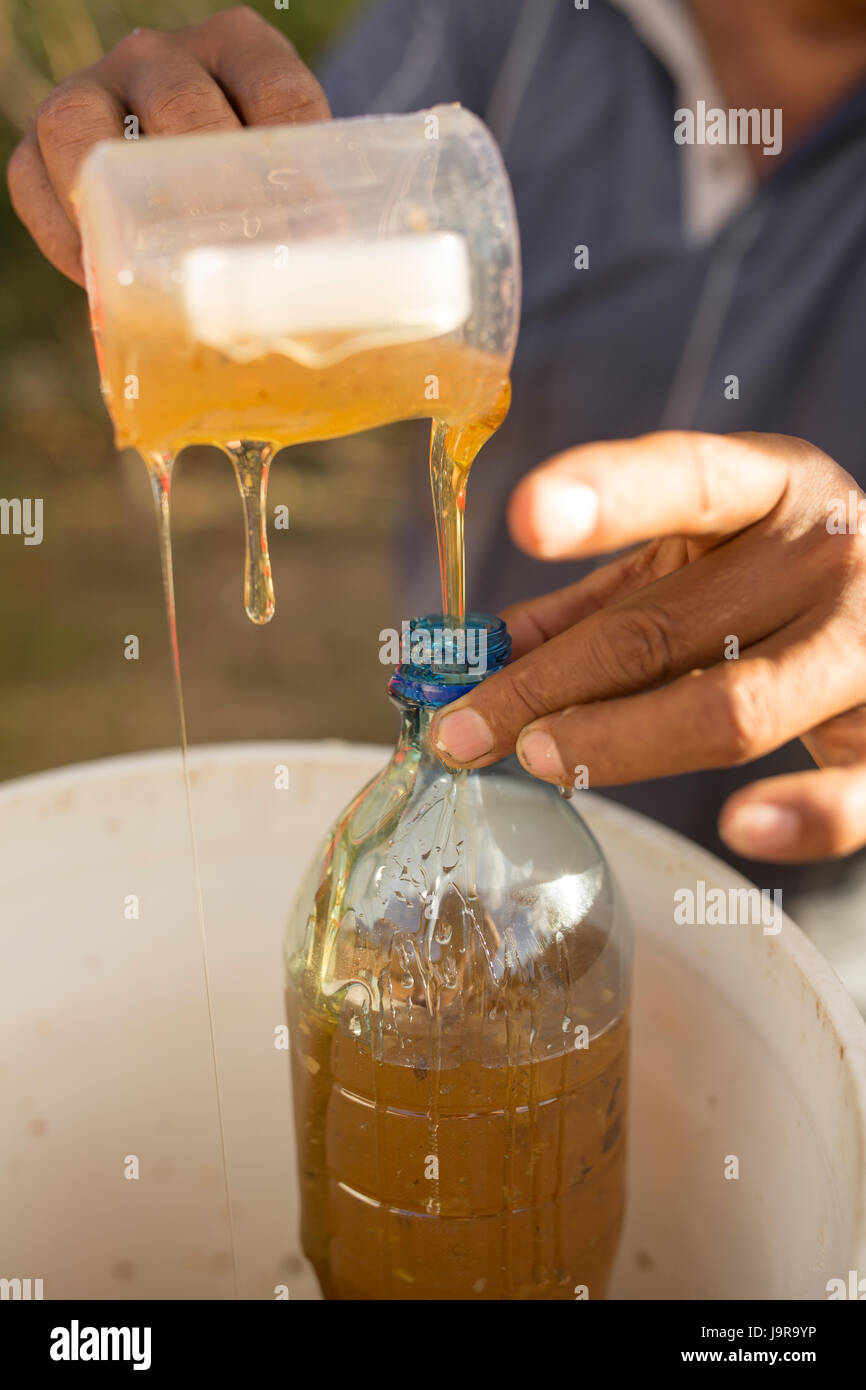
{"x":251,"y":461}
{"x":453,"y":449}
{"x":160,"y":469}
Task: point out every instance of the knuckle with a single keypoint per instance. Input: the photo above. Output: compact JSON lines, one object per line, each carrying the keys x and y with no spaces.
{"x":740,"y":720}
{"x":182,"y":106}
{"x":525,"y":698}
{"x":836,"y":563}
{"x":286,"y":94}
{"x":69,"y":109}
{"x":271,"y":94}
{"x":238,"y":19}
{"x":846,"y":552}
{"x":709,"y":476}
{"x":634,"y":648}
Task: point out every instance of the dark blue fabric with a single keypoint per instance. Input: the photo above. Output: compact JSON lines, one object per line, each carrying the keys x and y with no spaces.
{"x":593,"y":161}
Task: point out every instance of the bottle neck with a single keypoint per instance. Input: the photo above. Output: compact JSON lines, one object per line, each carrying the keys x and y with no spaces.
{"x":442,"y":661}
{"x":415,"y":722}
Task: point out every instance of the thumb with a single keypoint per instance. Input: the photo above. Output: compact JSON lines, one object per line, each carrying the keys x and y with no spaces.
{"x":599,"y":498}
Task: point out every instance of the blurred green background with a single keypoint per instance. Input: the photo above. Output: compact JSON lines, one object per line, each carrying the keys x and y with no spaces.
{"x":66,"y":605}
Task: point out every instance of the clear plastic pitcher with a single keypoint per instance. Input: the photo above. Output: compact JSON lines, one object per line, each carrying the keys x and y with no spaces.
{"x":300,"y":282}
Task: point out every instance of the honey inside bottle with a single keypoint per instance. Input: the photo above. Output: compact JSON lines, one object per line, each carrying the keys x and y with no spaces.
{"x":529,"y":1175}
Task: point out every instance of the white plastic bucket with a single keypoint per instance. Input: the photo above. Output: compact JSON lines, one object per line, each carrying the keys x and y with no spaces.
{"x":745,"y":1046}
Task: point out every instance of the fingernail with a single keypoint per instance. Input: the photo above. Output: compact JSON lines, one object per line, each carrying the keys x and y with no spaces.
{"x":566,"y":512}
{"x":464,"y":736}
{"x":540,"y":756}
{"x":761,"y":829}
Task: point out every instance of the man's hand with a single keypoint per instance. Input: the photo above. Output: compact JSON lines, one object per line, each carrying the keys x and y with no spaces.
{"x":233,"y":69}
{"x":739,"y":626}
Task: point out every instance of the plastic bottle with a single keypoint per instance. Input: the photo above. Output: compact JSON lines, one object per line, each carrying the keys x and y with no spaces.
{"x":458,"y":975}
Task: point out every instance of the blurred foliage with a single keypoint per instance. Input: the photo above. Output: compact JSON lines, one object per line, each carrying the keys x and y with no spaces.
{"x":67,"y":694}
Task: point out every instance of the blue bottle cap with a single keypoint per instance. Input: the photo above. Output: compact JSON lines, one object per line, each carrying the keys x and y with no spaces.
{"x":444,"y":660}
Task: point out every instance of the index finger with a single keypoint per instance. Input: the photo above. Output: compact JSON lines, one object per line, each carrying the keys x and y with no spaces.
{"x":599,"y":497}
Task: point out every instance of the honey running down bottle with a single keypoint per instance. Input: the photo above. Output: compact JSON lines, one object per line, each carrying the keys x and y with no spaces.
{"x":457,"y":981}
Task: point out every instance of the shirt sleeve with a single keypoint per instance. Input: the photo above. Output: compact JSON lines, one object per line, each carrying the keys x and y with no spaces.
{"x":401,"y":55}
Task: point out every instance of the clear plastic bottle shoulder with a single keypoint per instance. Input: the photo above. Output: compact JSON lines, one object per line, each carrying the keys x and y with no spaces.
{"x":478,"y":905}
